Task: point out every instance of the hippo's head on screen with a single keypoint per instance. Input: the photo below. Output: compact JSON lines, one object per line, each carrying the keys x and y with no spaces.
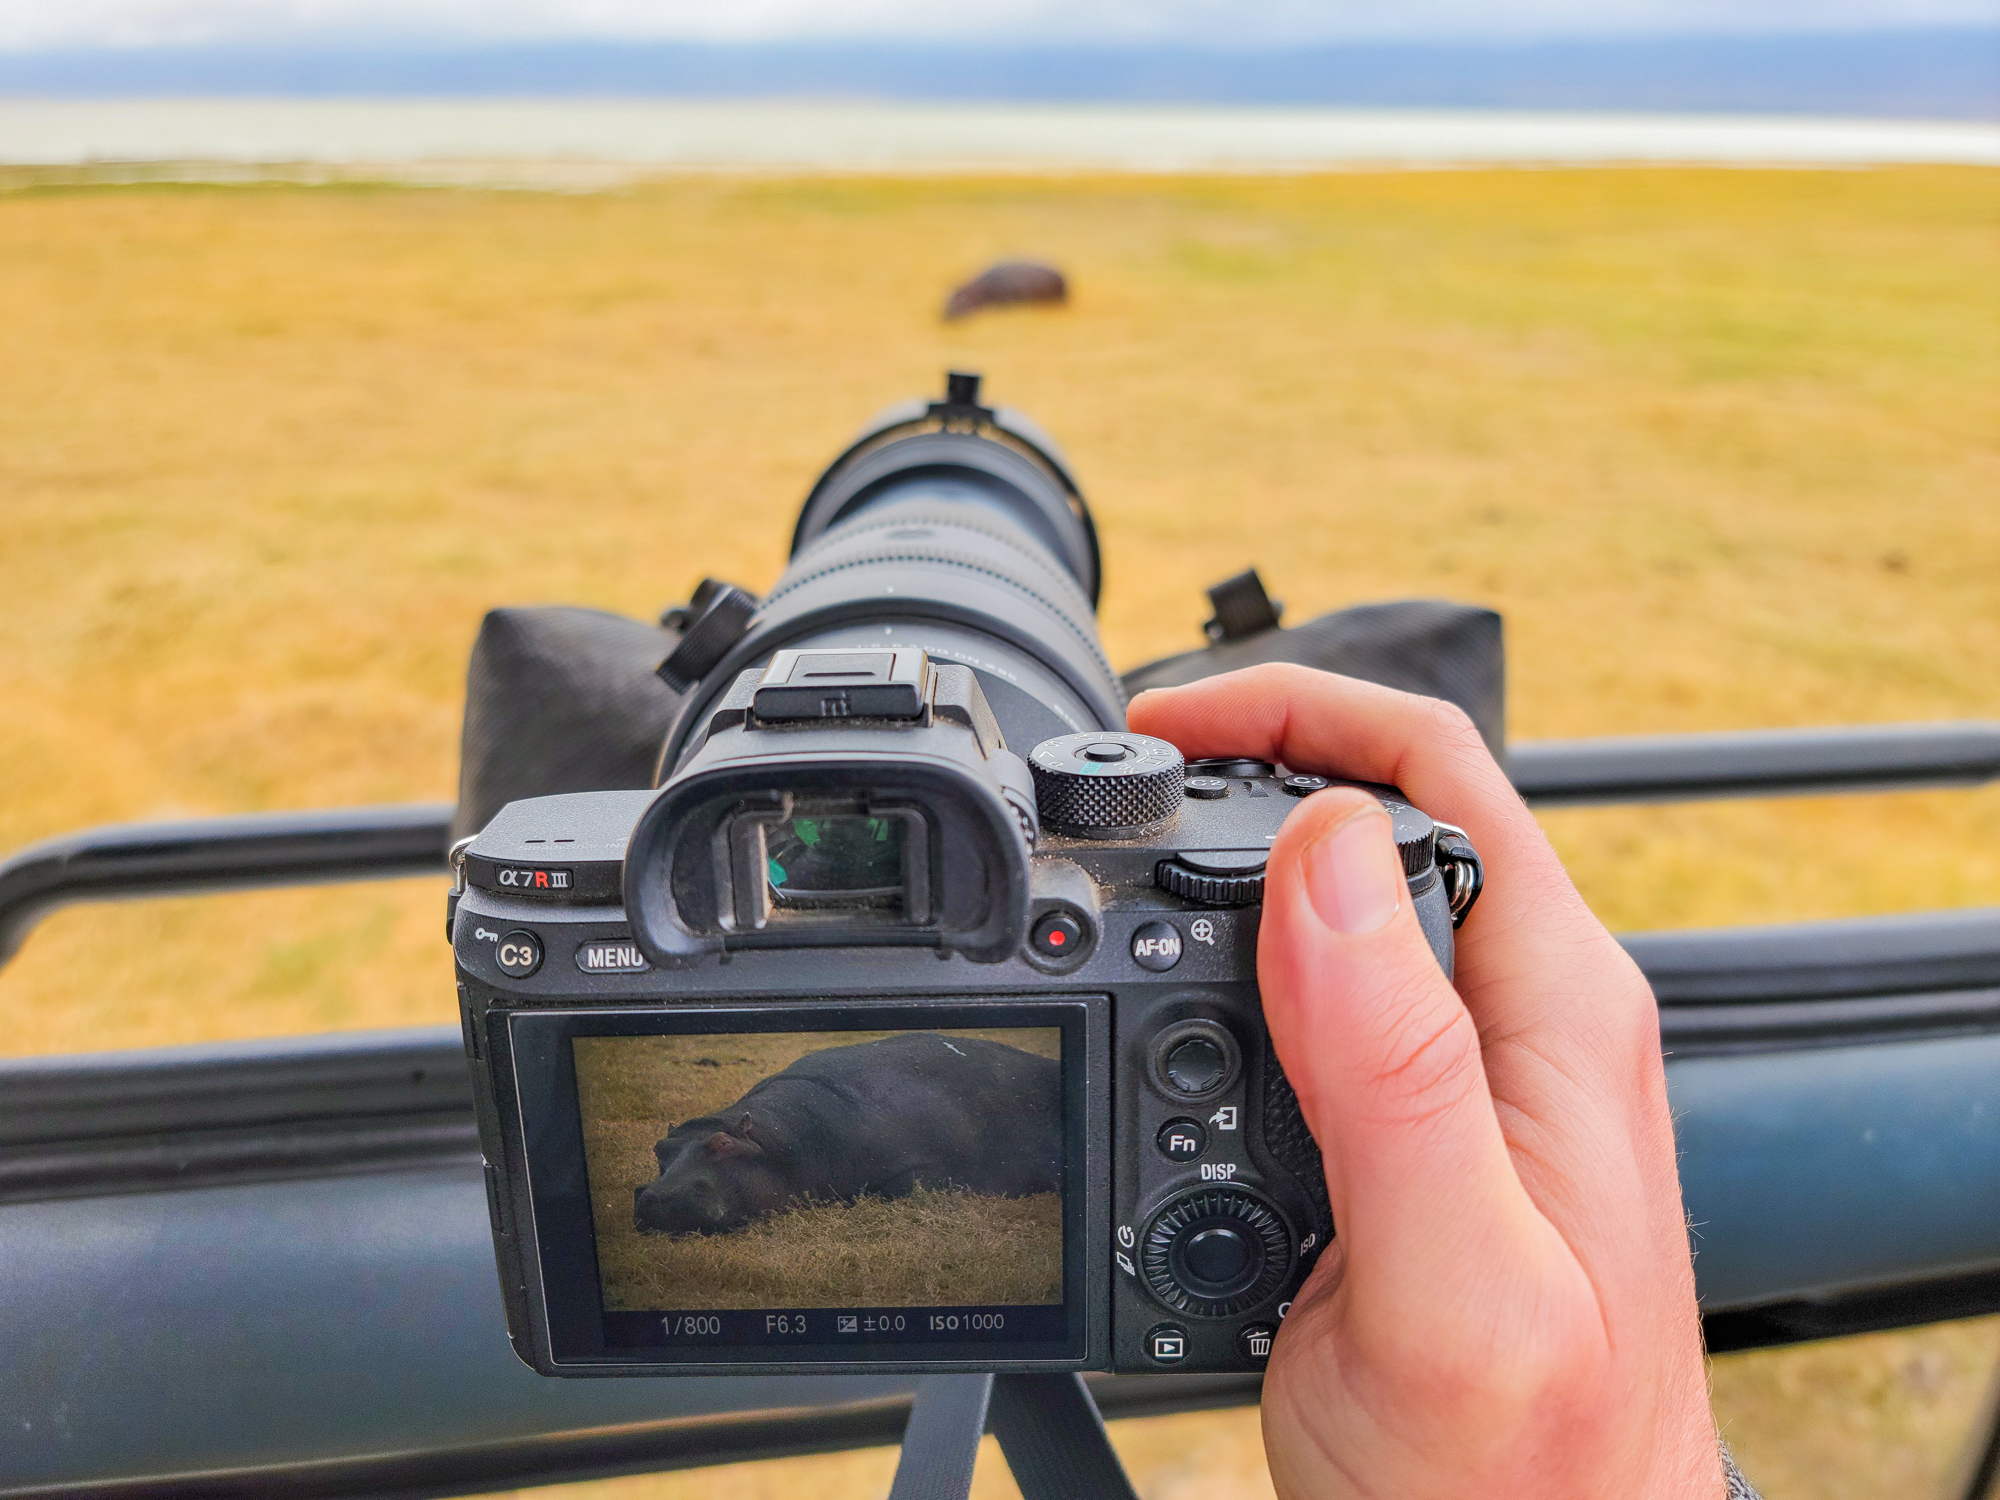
{"x":713,"y":1177}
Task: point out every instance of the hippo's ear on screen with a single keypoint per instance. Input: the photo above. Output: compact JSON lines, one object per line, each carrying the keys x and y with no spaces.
{"x":722,"y":1143}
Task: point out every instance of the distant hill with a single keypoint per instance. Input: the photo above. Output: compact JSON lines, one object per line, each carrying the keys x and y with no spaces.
{"x":1935,"y":74}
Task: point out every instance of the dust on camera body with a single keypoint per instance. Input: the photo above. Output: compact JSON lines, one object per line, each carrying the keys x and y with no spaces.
{"x":911,"y":1023}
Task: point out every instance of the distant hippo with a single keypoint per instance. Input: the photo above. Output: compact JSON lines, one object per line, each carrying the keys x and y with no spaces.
{"x":877,"y":1118}
{"x":1009,"y":281}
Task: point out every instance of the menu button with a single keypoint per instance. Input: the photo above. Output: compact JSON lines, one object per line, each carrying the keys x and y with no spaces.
{"x":616,"y":957}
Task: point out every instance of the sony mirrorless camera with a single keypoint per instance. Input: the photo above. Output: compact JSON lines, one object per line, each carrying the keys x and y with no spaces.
{"x":911,"y":1023}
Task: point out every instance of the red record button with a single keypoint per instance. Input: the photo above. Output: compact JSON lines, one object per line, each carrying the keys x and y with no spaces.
{"x":1057,"y":935}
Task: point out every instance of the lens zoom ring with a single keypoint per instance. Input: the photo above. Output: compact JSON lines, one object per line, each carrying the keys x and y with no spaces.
{"x":942,"y":555}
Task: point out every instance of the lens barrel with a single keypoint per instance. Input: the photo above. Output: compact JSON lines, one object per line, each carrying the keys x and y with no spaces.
{"x":956,"y":528}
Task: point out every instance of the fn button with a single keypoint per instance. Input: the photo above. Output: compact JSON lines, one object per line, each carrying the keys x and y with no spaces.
{"x":1182,"y":1140}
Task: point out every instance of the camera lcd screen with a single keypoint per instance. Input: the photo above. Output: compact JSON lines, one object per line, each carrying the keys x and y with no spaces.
{"x":867,"y":1193}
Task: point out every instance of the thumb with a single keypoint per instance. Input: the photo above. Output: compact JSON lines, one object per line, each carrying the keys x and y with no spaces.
{"x":1382,"y":1052}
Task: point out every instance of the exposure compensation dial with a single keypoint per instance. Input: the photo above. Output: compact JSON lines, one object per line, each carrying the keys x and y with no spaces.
{"x":1106,"y":784}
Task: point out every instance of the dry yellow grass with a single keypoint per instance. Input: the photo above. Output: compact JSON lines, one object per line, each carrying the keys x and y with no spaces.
{"x":1722,"y":445}
{"x":930,"y":1249}
{"x":944,"y":1248}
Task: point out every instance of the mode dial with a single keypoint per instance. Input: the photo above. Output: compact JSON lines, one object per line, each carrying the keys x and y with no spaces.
{"x":1216,"y":1251}
{"x":1106,"y":784}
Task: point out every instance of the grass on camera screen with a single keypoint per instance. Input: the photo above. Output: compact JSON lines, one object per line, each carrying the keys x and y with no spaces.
{"x":748,"y":1170}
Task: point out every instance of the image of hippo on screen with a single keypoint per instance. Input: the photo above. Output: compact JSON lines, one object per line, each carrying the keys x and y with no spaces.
{"x":873,"y":1119}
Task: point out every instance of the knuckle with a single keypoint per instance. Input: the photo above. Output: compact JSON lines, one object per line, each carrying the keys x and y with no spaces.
{"x":1452,"y":724}
{"x":1624,"y":1014}
{"x":1635,"y":1026}
{"x":1290,"y":683}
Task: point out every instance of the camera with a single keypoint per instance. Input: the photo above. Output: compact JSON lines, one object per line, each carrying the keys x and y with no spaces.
{"x":910,"y":1022}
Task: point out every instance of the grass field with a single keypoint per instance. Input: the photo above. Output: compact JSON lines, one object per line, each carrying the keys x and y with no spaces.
{"x":931,"y":1249}
{"x":1724,"y":446}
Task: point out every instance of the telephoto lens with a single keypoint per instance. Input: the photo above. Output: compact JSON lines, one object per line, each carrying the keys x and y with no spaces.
{"x":954,"y":528}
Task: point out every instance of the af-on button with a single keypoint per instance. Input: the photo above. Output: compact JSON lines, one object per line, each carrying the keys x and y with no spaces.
{"x":1156,"y":946}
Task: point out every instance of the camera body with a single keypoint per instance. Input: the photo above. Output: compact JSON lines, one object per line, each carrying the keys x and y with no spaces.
{"x":868,"y":1043}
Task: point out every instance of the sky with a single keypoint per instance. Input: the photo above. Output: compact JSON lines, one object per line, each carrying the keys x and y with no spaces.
{"x":38,"y":24}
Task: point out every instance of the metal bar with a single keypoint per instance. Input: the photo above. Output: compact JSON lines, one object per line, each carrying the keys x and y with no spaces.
{"x":1827,"y":1171}
{"x":1870,"y":1310}
{"x":376,"y":843}
{"x":1909,"y":953}
{"x":232,"y":1112}
{"x":1758,"y":763}
{"x":339,"y":1335}
{"x":130,"y":860}
{"x":559,"y":1457}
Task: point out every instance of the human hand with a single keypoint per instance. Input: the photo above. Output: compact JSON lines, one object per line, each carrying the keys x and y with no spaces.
{"x":1507,"y":1307}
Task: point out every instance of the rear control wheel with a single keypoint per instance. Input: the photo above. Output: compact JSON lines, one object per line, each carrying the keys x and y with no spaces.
{"x":1216,"y":1251}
